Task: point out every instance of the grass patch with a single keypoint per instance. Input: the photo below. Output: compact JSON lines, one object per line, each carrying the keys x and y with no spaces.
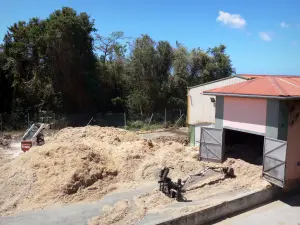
{"x":140,"y":125}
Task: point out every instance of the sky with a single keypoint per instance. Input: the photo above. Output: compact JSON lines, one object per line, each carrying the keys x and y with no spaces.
{"x":262,"y":36}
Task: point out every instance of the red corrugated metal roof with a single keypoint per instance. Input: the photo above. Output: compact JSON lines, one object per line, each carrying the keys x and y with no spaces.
{"x":268,"y":86}
{"x":252,"y":76}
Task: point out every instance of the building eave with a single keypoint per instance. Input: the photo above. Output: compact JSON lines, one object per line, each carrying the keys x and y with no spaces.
{"x":253,"y":96}
{"x":215,"y":81}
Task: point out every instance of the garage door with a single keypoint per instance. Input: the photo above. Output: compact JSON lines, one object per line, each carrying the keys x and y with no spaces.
{"x":211,"y":144}
{"x":274,"y":161}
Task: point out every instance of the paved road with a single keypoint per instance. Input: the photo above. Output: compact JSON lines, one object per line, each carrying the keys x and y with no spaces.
{"x":281,"y":212}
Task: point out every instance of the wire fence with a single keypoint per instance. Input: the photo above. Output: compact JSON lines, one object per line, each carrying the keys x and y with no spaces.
{"x":165,"y":118}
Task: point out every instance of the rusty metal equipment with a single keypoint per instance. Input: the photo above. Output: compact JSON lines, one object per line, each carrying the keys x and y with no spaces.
{"x":34,"y":136}
{"x":167,"y":186}
{"x":227,"y":171}
{"x":175,"y":189}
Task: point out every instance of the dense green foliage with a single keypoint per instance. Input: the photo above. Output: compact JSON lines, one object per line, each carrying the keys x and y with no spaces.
{"x":60,"y":64}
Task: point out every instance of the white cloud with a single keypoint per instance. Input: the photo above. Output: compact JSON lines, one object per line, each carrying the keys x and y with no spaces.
{"x":265,"y":36}
{"x":231,"y":20}
{"x":284,"y":25}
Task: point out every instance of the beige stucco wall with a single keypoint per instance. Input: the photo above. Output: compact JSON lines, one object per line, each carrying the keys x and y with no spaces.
{"x":248,"y":114}
{"x":200,"y":107}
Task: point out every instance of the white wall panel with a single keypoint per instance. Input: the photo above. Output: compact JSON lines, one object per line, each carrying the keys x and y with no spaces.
{"x":201,"y":109}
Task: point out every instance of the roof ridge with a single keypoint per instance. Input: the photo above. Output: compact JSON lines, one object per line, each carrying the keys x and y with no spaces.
{"x":243,"y":84}
{"x":278,"y":87}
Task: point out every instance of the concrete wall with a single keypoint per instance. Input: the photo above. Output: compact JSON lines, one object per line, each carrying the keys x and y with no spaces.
{"x":208,"y":215}
{"x":248,"y":114}
{"x":283,"y":119}
{"x":200,"y":107}
{"x":277,"y":119}
{"x":219,"y":111}
{"x":293,"y":149}
{"x":192,"y":135}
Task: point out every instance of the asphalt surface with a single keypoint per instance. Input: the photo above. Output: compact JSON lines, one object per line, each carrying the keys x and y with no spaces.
{"x":281,"y":212}
{"x":74,"y":214}
{"x":81,"y":213}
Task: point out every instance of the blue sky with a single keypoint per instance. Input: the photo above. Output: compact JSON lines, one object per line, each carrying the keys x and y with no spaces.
{"x":262,"y":37}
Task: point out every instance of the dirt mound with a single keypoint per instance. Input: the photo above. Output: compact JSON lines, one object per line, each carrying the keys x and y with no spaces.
{"x":112,"y":214}
{"x":128,"y":212}
{"x":180,"y":139}
{"x":85,"y":164}
{"x":4,"y":142}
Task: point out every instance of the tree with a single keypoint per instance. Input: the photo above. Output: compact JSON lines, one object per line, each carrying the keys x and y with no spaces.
{"x":22,"y":59}
{"x":141,"y":73}
{"x":164,"y":61}
{"x":71,"y":58}
{"x":148,"y":74}
{"x":60,"y":64}
{"x":110,"y":69}
{"x":110,"y":46}
{"x":200,"y":62}
{"x":5,"y":86}
{"x":221,"y":64}
{"x":51,"y":62}
{"x":179,"y":81}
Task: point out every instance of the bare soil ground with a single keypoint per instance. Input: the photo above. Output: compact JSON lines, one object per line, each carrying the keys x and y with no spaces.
{"x":87,"y":163}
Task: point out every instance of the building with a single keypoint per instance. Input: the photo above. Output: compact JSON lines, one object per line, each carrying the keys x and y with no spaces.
{"x":263,"y":114}
{"x":201,"y":108}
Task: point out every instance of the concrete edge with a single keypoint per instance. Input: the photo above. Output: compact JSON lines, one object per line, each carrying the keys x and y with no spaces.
{"x":226,"y":208}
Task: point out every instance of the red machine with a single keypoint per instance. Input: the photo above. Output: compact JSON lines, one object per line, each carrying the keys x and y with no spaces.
{"x":34,"y":136}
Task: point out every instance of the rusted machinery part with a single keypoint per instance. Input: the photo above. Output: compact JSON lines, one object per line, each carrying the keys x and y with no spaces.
{"x":222,"y":169}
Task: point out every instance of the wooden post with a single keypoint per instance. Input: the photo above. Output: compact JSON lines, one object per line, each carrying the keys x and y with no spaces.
{"x":1,"y":126}
{"x":180,"y":115}
{"x":54,"y":122}
{"x":125,"y":121}
{"x":165,"y":117}
{"x":150,"y":120}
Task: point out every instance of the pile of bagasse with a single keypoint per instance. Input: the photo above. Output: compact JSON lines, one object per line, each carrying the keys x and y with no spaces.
{"x":86,"y":163}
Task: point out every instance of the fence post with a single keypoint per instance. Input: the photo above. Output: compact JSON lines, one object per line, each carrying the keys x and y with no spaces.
{"x":1,"y":126}
{"x":178,"y":120}
{"x":150,"y":120}
{"x":165,"y":117}
{"x":125,"y":120}
{"x":90,"y":121}
{"x":180,"y":115}
{"x":54,"y":121}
